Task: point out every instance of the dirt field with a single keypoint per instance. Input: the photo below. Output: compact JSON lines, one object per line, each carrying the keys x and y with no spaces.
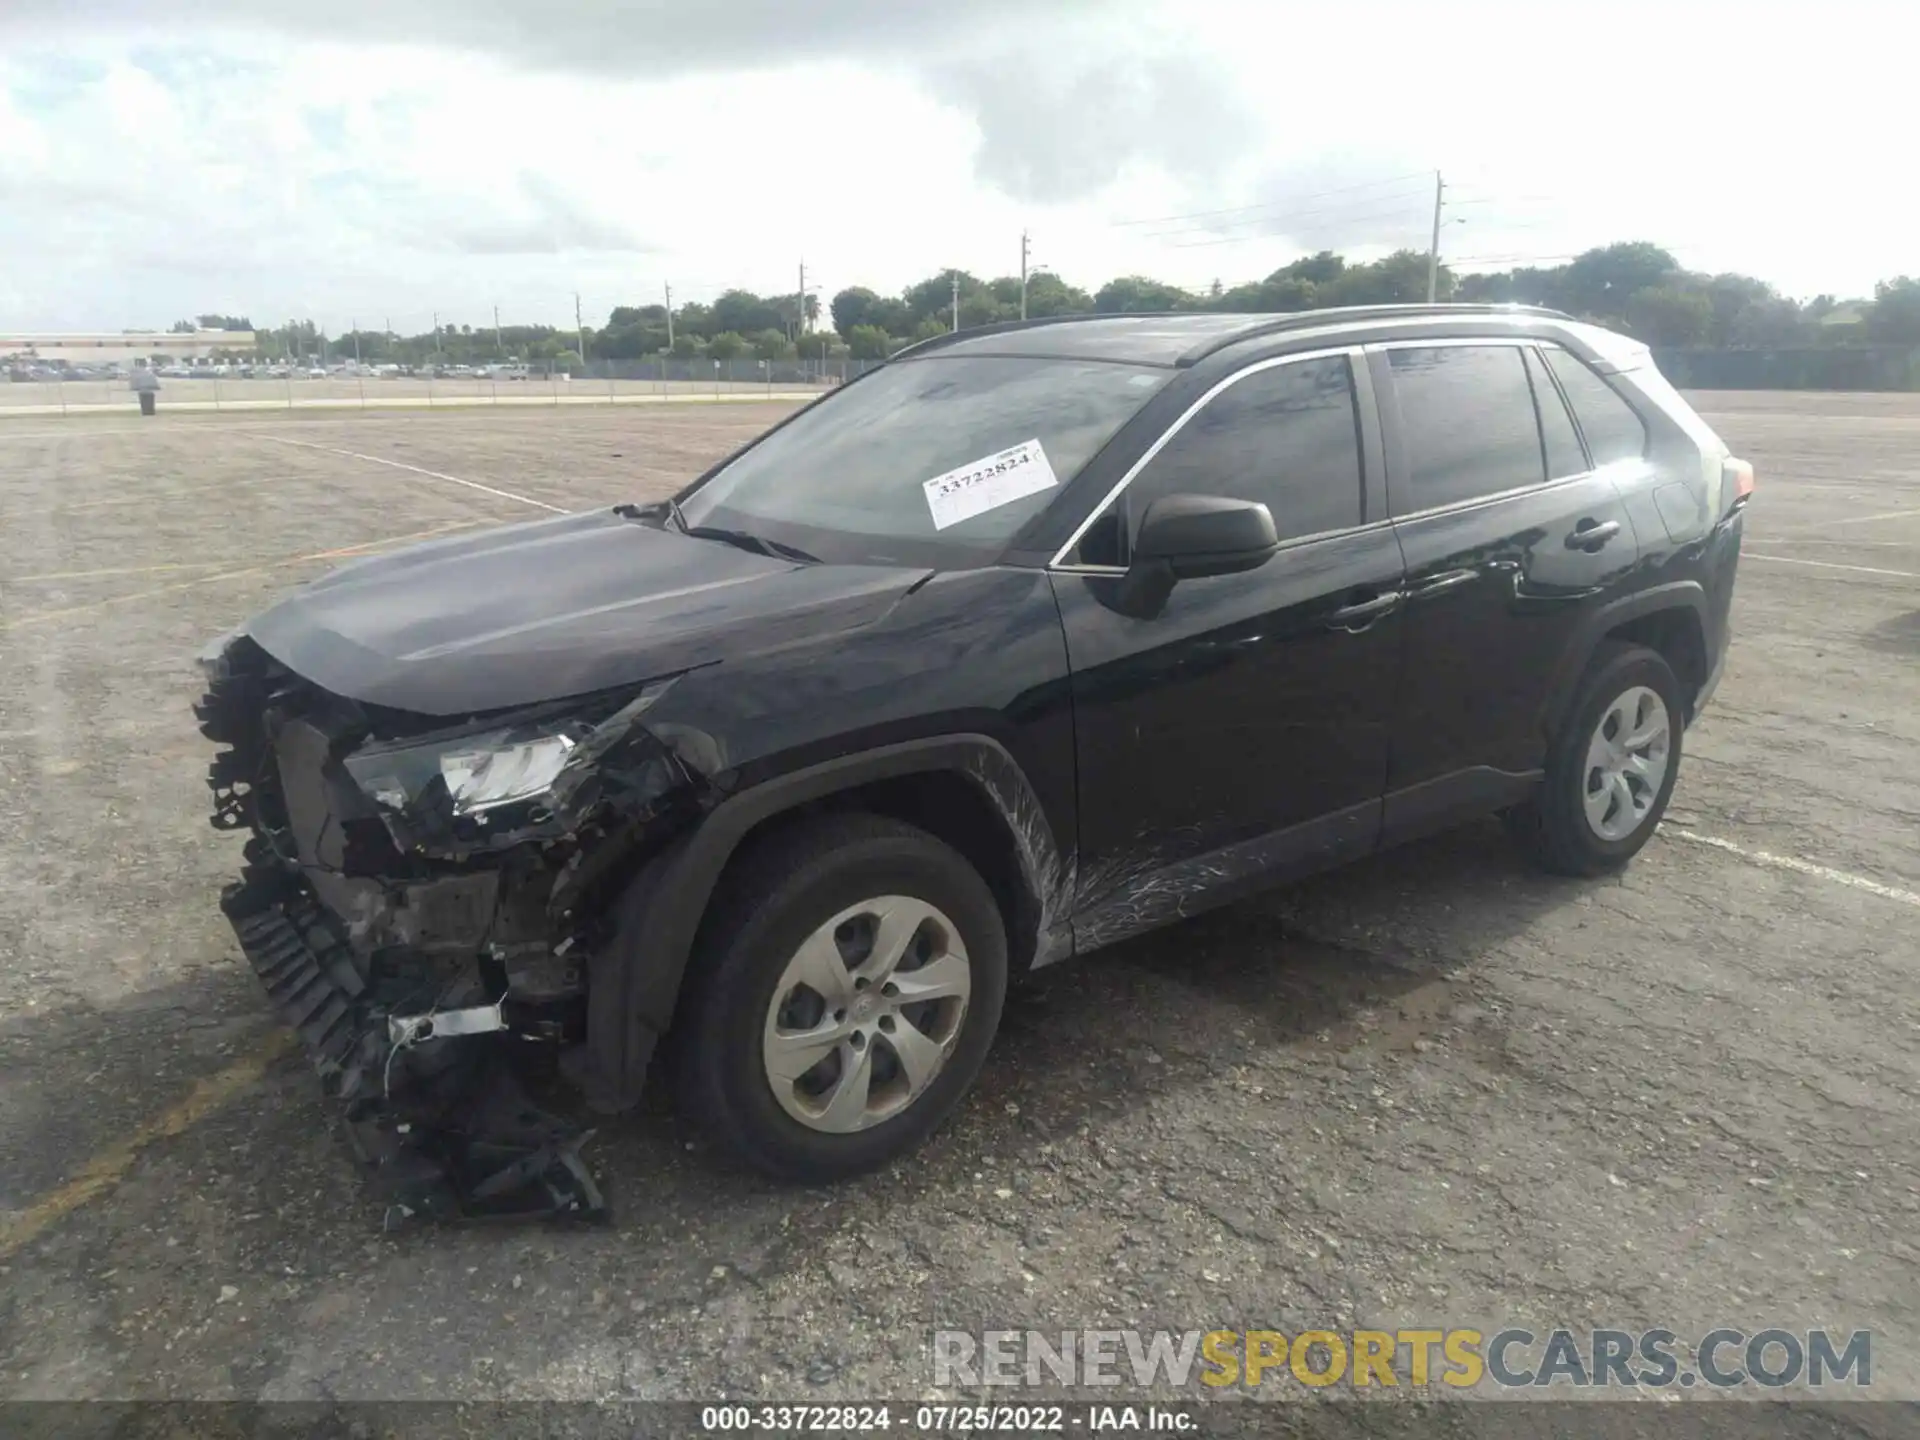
{"x":1432,"y":1090}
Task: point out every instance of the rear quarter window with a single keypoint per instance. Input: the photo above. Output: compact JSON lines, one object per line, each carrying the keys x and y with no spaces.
{"x":1613,"y":430}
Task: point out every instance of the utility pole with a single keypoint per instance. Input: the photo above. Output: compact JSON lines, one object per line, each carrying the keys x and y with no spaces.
{"x":356,"y":344}
{"x":1023,"y":274}
{"x":669,"y":317}
{"x":580,"y":329}
{"x":499,"y":348}
{"x":956,"y":301}
{"x":436,"y":332}
{"x":800,"y":314}
{"x":1433,"y":247}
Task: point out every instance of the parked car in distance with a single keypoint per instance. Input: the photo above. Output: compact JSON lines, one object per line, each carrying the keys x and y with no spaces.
{"x":1032,"y":639}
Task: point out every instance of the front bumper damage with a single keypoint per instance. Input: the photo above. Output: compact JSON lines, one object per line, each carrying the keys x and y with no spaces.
{"x":434,"y":990}
{"x":447,"y":1136}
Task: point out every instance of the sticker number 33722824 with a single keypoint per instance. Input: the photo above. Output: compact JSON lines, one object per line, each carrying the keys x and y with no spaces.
{"x":987,"y":484}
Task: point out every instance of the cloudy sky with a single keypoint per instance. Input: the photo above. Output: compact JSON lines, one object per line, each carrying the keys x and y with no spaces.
{"x":378,"y":160}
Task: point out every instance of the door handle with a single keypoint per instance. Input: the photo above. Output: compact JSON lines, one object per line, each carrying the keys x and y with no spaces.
{"x":1590,"y":535}
{"x":1440,"y":584}
{"x":1362,"y":613}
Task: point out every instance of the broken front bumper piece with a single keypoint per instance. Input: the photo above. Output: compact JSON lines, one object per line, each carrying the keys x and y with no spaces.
{"x":424,"y":901}
{"x":433,"y":1108}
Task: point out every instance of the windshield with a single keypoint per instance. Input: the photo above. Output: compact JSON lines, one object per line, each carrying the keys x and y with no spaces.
{"x":854,"y":469}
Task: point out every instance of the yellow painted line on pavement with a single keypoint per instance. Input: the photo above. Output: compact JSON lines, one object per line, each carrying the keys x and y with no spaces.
{"x":51,"y":575}
{"x":107,"y":1169}
{"x":261,"y":569}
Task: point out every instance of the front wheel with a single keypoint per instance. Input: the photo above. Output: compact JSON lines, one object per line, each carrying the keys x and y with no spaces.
{"x":1610,"y":770}
{"x":843,"y":997}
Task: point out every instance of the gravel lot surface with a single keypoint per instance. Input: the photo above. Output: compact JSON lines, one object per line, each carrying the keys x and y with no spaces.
{"x":1432,"y":1090}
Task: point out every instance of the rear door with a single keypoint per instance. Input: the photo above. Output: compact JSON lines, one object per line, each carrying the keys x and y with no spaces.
{"x":1512,"y":537}
{"x":1242,"y":730}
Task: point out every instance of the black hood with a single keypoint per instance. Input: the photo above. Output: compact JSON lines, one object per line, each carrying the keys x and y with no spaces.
{"x":554,"y":608}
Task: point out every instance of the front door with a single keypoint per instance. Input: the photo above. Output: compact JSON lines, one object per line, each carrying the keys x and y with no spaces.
{"x":1242,"y":731}
{"x":1512,"y":538}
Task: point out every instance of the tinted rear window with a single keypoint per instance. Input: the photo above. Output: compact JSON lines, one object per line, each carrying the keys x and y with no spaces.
{"x":1562,"y":441}
{"x":1613,"y":430}
{"x":1467,"y":421}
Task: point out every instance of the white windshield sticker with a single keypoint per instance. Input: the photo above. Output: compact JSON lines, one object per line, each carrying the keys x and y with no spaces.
{"x":988,"y":484}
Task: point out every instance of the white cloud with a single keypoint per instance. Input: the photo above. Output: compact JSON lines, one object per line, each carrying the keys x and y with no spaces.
{"x":370,"y":161}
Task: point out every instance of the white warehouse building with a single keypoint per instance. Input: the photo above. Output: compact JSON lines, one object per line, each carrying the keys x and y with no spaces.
{"x":124,"y":346}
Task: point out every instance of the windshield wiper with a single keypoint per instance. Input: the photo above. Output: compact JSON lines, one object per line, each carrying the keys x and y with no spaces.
{"x":758,"y":544}
{"x":656,"y":510}
{"x":741,"y":539}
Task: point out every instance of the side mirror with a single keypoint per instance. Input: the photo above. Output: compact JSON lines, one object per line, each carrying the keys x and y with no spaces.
{"x":1200,"y":535}
{"x":1189,"y":537}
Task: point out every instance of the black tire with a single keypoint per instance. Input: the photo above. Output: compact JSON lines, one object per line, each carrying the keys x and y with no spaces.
{"x":1551,"y":828}
{"x":773,"y":897}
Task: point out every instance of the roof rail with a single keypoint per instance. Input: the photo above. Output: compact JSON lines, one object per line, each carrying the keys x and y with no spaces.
{"x":1002,"y":327}
{"x":1314,"y":319}
{"x":1258,"y":323}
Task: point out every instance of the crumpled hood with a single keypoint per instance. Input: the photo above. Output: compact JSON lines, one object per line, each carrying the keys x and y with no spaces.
{"x":553,"y":608}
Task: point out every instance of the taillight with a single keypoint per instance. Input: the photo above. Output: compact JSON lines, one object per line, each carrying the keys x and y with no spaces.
{"x":1736,"y":481}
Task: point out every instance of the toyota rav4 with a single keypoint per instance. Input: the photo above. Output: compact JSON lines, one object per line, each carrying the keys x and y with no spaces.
{"x":1034,"y":638}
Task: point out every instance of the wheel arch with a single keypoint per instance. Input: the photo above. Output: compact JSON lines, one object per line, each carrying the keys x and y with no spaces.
{"x":954,"y":786}
{"x":1671,"y":619}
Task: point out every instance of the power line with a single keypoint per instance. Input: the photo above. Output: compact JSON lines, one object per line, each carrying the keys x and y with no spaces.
{"x":1333,"y":210}
{"x":1284,"y":231}
{"x":1509,"y":259}
{"x":1272,"y":204}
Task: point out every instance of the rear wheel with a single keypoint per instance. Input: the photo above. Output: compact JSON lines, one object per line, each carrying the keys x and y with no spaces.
{"x":844,"y":997}
{"x":1610,"y":770}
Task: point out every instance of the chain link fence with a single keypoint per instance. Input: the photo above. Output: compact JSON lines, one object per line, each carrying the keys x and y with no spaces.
{"x":1836,"y":367}
{"x":39,"y":389}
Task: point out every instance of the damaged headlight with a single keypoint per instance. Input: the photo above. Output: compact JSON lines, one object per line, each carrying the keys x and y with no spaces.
{"x":480,"y":788}
{"x":474,"y":774}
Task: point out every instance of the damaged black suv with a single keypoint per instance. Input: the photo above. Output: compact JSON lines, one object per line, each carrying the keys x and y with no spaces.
{"x":1032,"y":639}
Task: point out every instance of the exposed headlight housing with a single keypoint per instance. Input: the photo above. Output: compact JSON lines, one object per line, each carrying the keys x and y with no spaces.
{"x":482,"y":780}
{"x":478,"y":789}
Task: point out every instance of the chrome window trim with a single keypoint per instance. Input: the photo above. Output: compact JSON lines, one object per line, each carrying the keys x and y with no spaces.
{"x":1352,"y":352}
{"x":1453,"y":342}
{"x":1295,"y":543}
{"x":1495,"y":498}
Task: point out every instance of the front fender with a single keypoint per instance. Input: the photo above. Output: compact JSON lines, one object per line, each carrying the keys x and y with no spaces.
{"x":634,"y":980}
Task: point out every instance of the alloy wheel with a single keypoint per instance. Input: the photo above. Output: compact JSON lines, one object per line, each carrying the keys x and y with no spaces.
{"x":866,"y":1014}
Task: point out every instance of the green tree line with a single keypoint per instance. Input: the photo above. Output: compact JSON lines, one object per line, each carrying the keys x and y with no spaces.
{"x":1634,"y":286}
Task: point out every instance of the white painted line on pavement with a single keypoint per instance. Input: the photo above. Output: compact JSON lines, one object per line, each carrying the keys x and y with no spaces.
{"x":416,"y":470}
{"x":1828,"y":565}
{"x":1798,"y":866}
{"x":1865,"y":519}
